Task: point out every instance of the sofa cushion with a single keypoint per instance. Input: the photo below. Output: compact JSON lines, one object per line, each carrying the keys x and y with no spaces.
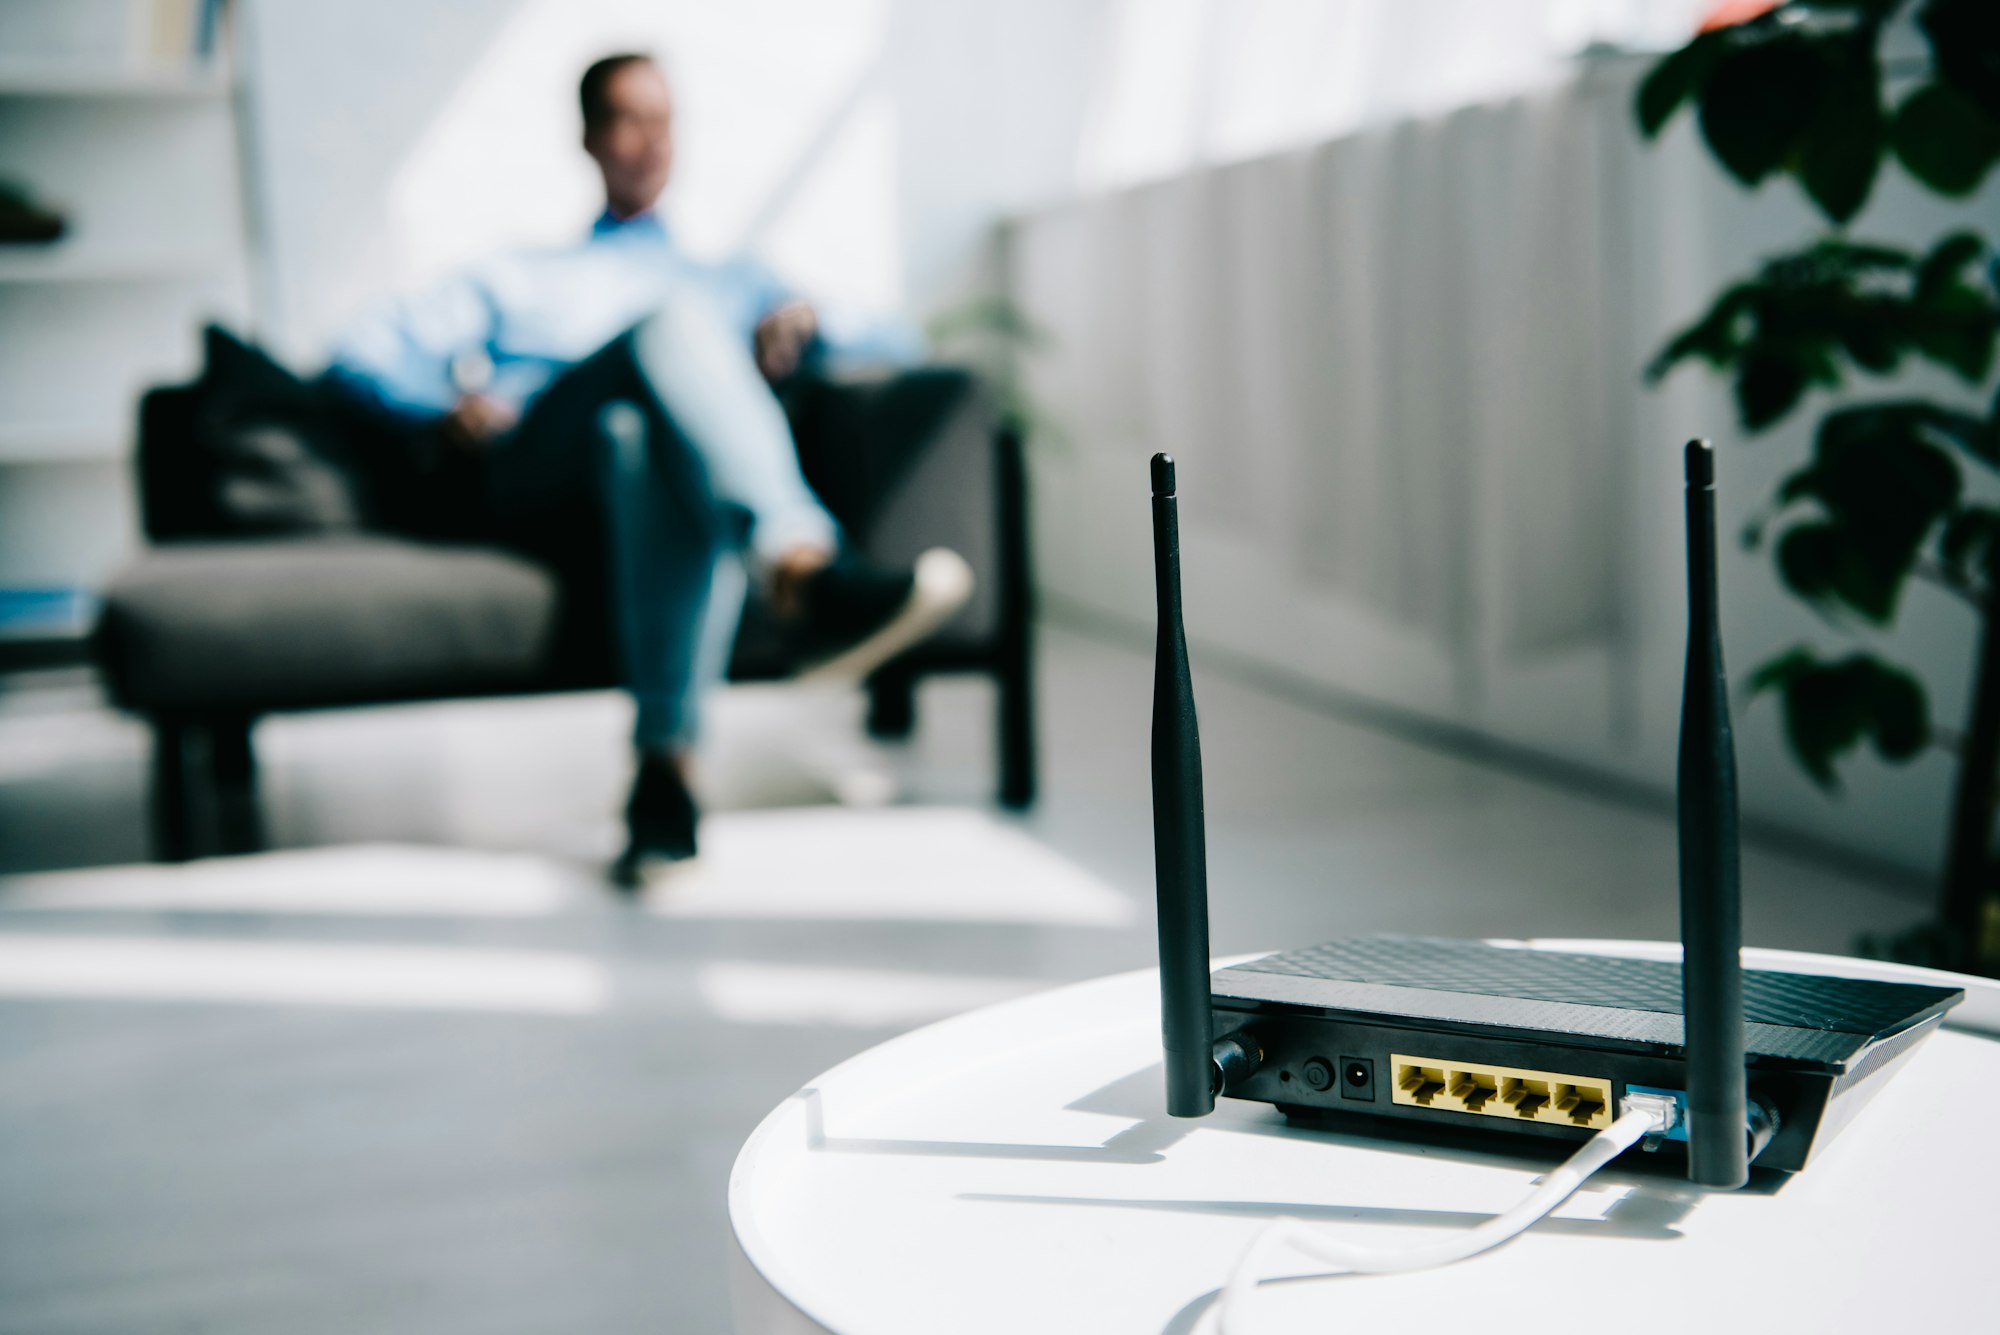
{"x":257,"y":452}
{"x":309,"y":622}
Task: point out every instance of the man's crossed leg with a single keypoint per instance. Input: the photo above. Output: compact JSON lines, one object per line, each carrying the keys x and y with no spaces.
{"x":674,"y":437}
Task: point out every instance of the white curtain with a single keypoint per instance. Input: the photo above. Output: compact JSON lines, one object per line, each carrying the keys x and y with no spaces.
{"x":1373,"y":357}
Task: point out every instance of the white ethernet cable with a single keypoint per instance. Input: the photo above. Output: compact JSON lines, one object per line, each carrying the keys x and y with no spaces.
{"x":1645,"y":1114}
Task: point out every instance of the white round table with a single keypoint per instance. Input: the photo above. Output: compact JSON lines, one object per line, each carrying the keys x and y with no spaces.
{"x":1013,"y":1170}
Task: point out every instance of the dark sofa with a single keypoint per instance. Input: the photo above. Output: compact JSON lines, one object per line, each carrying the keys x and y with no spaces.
{"x":270,"y":584}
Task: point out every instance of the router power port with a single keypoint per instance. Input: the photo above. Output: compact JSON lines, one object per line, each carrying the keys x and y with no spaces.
{"x":1357,"y":1079}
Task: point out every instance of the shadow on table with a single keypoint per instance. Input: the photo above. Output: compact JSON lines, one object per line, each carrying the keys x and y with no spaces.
{"x":1651,"y":1209}
{"x":1643,"y":1213}
{"x":1140,"y":1143}
{"x":1659,"y":1198}
{"x":1139,"y":1097}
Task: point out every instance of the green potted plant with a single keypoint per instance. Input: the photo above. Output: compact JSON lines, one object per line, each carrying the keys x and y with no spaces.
{"x":1803,"y":90}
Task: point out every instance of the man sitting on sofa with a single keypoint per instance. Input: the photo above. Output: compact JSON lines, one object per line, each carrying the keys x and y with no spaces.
{"x":613,"y":396}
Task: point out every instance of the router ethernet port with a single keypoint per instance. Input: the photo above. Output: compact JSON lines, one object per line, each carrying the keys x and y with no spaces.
{"x":1585,"y":1104}
{"x":1526,"y":1097}
{"x":1421,"y":1083}
{"x":1473,"y":1088}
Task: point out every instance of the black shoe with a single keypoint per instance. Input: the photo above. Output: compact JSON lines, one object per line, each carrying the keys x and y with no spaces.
{"x":659,"y":820}
{"x":856,"y":616}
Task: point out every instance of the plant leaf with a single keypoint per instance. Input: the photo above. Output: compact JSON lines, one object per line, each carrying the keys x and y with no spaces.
{"x":1768,"y":385}
{"x":1673,"y":79}
{"x":1776,"y":673}
{"x":1844,"y":146}
{"x":1873,"y":345}
{"x":1945,"y":265}
{"x":1971,"y":435}
{"x":1758,"y":103}
{"x":1989,"y":446}
{"x":1830,"y":707}
{"x":1836,"y":259}
{"x":1901,"y":714}
{"x":1809,"y":559}
{"x":1944,"y":140}
{"x":1956,"y":328}
{"x":1881,"y":487}
{"x":1876,"y":461}
{"x":1965,"y":47}
{"x":995,"y":317}
{"x":1823,"y":720}
{"x":1971,"y":542}
{"x":1804,"y":317}
{"x":1716,"y":337}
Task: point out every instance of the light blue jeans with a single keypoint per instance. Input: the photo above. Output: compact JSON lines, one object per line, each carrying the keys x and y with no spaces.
{"x":700,"y":484}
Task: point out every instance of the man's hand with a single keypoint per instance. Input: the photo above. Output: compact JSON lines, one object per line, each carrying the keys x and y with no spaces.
{"x":782,"y":337}
{"x":475,"y":420}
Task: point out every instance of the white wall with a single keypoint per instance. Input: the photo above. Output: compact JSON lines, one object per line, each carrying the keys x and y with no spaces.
{"x":1187,"y":83}
{"x":864,"y":146}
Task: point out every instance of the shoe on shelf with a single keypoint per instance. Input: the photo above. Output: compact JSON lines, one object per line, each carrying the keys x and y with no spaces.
{"x":660,"y":818}
{"x":854,"y":616}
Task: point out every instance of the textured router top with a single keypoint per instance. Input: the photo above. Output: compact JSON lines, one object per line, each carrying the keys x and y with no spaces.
{"x":1805,"y":1017}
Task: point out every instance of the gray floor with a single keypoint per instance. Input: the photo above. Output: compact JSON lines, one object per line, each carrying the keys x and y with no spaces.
{"x":246,"y":1167}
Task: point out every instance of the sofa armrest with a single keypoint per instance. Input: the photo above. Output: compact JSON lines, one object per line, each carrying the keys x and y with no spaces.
{"x":912,"y":461}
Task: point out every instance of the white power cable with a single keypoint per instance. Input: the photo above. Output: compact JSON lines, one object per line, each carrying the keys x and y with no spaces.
{"x":1644,"y":1115}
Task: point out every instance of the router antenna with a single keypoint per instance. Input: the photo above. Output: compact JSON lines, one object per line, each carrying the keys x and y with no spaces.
{"x":1180,"y":857}
{"x":1711,"y":909}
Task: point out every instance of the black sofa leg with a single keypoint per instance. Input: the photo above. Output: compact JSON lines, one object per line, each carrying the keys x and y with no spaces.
{"x":239,"y":816}
{"x":1014,"y":666}
{"x":173,"y":766}
{"x":892,"y":705}
{"x":204,"y":797}
{"x":1016,"y":736}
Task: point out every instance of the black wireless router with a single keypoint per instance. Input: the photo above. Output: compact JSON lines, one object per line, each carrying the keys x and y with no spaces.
{"x":1762,"y":1067}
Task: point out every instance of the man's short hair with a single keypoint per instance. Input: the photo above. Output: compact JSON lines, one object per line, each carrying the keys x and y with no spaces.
{"x":595,"y":79}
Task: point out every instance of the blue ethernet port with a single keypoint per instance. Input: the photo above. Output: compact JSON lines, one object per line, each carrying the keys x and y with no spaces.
{"x":1680,"y":1098}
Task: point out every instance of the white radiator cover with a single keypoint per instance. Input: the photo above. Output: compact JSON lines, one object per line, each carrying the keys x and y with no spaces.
{"x":1401,"y":373}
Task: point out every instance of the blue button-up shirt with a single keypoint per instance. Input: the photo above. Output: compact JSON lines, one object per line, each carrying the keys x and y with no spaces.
{"x":507,"y":328}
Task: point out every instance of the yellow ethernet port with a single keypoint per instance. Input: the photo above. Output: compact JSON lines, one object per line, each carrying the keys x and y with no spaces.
{"x":1501,"y":1091}
{"x":1417,"y":1083}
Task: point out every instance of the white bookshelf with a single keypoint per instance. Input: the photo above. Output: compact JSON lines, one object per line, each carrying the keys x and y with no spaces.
{"x":24,"y":443}
{"x":140,"y":148}
{"x":96,"y":77}
{"x":69,"y":261}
